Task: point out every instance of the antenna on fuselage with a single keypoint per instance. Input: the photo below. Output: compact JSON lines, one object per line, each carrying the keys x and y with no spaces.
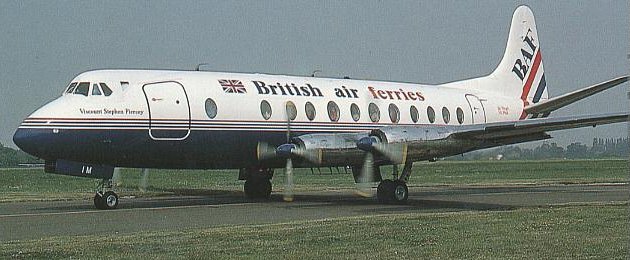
{"x":199,"y":65}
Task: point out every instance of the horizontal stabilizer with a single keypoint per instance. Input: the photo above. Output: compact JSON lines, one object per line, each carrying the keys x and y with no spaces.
{"x":501,"y":130}
{"x":552,"y":104}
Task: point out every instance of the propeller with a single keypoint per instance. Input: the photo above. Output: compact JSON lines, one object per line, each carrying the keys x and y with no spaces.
{"x":288,"y":185}
{"x":288,"y":151}
{"x":395,"y":153}
{"x":367,"y":175}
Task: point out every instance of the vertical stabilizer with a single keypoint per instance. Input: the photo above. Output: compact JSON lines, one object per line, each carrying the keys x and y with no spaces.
{"x":520,"y":72}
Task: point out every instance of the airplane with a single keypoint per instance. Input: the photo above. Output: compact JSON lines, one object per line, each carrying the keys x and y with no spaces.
{"x":259,"y":122}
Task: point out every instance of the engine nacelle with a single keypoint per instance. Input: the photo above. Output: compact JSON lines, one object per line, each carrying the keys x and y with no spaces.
{"x":65,"y":167}
{"x":336,"y":149}
{"x":410,"y":134}
{"x":423,"y":143}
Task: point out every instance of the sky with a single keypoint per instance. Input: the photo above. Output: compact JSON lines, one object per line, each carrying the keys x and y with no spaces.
{"x":44,"y":44}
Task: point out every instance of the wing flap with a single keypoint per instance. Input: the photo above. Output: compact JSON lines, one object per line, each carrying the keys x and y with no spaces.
{"x":555,"y":103}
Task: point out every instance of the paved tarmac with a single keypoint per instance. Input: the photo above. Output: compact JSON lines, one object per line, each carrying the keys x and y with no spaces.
{"x":33,"y":220}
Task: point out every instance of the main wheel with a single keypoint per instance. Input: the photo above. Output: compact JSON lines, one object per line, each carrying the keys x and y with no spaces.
{"x":395,"y":192}
{"x":400,"y":192}
{"x":257,"y":188}
{"x":384,"y":190}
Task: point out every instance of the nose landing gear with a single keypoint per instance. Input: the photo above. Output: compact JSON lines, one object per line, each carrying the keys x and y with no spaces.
{"x":108,"y":199}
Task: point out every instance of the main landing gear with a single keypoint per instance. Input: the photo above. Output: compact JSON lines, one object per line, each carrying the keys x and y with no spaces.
{"x":105,"y":199}
{"x":257,"y":182}
{"x":395,"y":191}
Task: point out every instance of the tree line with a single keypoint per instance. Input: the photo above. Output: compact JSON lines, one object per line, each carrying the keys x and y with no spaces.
{"x":10,"y":157}
{"x":600,"y":148}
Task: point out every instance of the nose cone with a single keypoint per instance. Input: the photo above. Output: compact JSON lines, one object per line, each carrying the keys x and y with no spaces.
{"x":24,"y":141}
{"x":34,"y":139}
{"x":36,"y":142}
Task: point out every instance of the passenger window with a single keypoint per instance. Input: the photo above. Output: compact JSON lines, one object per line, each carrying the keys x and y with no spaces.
{"x":265,"y":109}
{"x":291,"y":111}
{"x":394,"y":113}
{"x":96,"y":91}
{"x":431,"y":115}
{"x":106,"y":90}
{"x":310,"y":111}
{"x":211,"y":108}
{"x":355,"y":112}
{"x":82,"y":89}
{"x":460,"y":115}
{"x":375,"y":113}
{"x":414,"y":114}
{"x":71,"y":87}
{"x":333,"y":111}
{"x":446,"y":115}
{"x":124,"y":85}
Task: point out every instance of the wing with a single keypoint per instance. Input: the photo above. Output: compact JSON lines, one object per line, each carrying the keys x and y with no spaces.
{"x":398,"y":144}
{"x":531,"y":130}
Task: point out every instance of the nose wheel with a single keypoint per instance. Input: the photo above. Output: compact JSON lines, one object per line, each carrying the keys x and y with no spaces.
{"x":105,"y":200}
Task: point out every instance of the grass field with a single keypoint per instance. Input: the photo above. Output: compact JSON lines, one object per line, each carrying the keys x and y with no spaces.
{"x":34,"y":184}
{"x":599,"y":231}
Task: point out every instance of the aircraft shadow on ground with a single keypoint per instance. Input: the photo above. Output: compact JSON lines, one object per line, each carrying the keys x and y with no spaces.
{"x":200,"y":197}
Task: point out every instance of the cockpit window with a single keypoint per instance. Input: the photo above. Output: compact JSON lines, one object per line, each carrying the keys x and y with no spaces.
{"x":96,"y":90}
{"x":83,"y":88}
{"x":71,"y":87}
{"x":106,"y":90}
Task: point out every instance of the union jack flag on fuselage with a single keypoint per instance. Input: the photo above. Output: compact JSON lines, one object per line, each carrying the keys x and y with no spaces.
{"x":232,"y":86}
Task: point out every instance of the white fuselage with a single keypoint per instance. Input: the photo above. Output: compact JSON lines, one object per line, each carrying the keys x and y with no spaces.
{"x":215,"y":120}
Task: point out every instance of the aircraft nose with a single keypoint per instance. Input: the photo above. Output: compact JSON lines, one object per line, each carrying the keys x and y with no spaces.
{"x":26,"y":141}
{"x":20,"y":139}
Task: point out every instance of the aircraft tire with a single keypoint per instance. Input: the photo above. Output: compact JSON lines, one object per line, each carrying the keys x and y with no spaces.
{"x":110,"y":200}
{"x":383,"y":191}
{"x":257,"y":188}
{"x":400,"y":192}
{"x":99,"y":201}
{"x":392,"y":192}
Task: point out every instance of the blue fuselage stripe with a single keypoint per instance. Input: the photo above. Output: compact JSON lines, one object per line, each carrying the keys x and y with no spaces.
{"x":541,"y":88}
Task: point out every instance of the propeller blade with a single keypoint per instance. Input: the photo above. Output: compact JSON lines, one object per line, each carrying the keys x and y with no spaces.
{"x":288,"y":188}
{"x":396,"y":153}
{"x":312,"y":155}
{"x":144,"y":180}
{"x":291,"y":150}
{"x":367,"y":175}
{"x":264,"y":151}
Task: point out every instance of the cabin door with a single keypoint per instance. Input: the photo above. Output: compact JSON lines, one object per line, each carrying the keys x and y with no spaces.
{"x":169,"y":110}
{"x":477,"y":110}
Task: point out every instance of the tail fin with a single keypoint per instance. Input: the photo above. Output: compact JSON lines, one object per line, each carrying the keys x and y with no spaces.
{"x":520,"y":72}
